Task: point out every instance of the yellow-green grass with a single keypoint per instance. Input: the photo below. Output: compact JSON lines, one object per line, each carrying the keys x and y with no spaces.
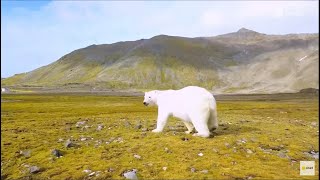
{"x":36,"y":122}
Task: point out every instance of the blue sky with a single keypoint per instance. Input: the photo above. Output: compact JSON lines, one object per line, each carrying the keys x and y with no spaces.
{"x":37,"y":33}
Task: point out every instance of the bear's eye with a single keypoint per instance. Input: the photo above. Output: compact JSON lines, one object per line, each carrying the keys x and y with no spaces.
{"x":149,"y":97}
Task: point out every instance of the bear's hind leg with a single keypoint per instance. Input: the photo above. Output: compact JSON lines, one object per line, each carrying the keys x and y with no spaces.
{"x":213,"y":120}
{"x":189,"y":126}
{"x":201,"y":126}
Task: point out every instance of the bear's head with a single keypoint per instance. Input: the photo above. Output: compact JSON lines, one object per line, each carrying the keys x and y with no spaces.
{"x":150,"y":98}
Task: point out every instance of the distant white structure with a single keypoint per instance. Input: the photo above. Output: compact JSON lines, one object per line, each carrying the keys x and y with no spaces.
{"x":4,"y":90}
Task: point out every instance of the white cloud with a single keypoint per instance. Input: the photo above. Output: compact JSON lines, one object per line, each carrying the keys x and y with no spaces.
{"x":33,"y":38}
{"x":212,"y":18}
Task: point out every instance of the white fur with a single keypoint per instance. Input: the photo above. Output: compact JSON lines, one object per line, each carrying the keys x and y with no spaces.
{"x":195,"y":106}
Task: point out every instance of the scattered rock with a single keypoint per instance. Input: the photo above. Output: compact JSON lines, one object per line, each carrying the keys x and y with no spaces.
{"x":137,"y":156}
{"x":167,"y":150}
{"x":282,"y":155}
{"x":234,"y":150}
{"x":60,"y":140}
{"x":144,"y":129}
{"x":314,"y":124}
{"x":68,"y":128}
{"x":227,"y":145}
{"x":193,"y":170}
{"x":110,"y":170}
{"x":26,"y":153}
{"x":249,"y":151}
{"x":100,"y":127}
{"x":241,"y":141}
{"x":225,"y":174}
{"x":215,"y":150}
{"x":205,"y":171}
{"x":85,"y":127}
{"x":119,"y":140}
{"x":164,"y":168}
{"x":138,"y":126}
{"x":200,"y":154}
{"x":97,"y":145}
{"x":248,"y":177}
{"x":25,"y":165}
{"x":83,"y":139}
{"x":98,"y":141}
{"x":98,"y":173}
{"x":56,"y":153}
{"x":34,"y":169}
{"x":130,"y":175}
{"x":314,"y":154}
{"x":244,"y":140}
{"x":87,"y":171}
{"x":112,"y":139}
{"x":268,"y":151}
{"x":69,"y":144}
{"x":127,"y":124}
{"x":80,"y":123}
{"x":91,"y":174}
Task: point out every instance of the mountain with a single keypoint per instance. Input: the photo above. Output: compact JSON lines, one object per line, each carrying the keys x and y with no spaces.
{"x":239,"y":62}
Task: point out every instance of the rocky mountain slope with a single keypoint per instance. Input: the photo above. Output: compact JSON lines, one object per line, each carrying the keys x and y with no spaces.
{"x":240,"y":62}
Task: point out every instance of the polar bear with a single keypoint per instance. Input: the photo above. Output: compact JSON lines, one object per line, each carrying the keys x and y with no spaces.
{"x":195,"y":106}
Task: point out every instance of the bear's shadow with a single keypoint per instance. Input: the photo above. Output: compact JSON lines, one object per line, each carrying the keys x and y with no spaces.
{"x":235,"y":129}
{"x":223,"y":129}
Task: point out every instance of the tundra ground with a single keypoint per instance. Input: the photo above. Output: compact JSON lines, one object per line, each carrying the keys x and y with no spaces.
{"x":259,"y":137}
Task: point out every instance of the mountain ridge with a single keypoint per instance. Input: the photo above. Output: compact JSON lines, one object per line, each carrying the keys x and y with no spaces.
{"x":227,"y":63}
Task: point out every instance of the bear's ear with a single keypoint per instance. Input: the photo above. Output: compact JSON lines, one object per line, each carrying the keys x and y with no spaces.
{"x":156,"y":92}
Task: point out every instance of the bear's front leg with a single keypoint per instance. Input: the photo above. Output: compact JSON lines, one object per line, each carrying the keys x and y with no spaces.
{"x":161,"y":121}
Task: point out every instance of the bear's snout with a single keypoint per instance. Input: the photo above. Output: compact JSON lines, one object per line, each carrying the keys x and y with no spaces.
{"x":146,"y":104}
